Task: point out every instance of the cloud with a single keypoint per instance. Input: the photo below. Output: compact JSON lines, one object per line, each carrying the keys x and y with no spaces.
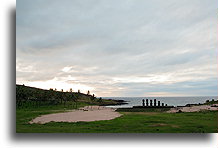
{"x":115,"y":47}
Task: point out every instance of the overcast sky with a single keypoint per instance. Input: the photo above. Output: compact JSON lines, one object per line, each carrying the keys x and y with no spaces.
{"x":118,"y":47}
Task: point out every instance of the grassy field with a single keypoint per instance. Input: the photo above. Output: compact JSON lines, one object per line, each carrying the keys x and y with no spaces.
{"x":129,"y":122}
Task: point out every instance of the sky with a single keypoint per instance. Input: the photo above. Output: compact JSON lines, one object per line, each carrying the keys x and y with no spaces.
{"x":120,"y":48}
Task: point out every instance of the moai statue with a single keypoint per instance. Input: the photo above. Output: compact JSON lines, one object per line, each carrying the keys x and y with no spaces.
{"x":146,"y":102}
{"x":159,"y":103}
{"x":143,"y":102}
{"x":155,"y":101}
{"x":165,"y":104}
{"x":162,"y":104}
{"x":150,"y":102}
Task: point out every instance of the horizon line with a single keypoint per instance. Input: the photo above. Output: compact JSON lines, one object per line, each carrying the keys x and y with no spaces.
{"x":128,"y":96}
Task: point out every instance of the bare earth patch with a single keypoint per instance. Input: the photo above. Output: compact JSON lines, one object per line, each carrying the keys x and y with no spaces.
{"x":194,"y":108}
{"x":86,"y":114}
{"x":163,"y":124}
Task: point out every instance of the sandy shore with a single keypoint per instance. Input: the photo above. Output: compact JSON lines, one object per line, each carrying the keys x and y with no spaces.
{"x":194,"y":108}
{"x":88,"y":113}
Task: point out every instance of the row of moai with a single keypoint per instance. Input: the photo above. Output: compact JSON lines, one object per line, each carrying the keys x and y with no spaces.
{"x":156,"y":104}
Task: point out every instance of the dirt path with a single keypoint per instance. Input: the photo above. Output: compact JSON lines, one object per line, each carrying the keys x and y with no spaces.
{"x":88,"y":113}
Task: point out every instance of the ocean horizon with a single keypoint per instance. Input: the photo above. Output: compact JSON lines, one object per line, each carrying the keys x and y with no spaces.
{"x":170,"y":101}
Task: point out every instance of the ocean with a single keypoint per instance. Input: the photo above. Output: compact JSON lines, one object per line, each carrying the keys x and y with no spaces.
{"x":170,"y":101}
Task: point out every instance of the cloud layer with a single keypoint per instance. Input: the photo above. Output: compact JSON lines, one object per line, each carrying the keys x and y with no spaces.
{"x":119,"y":47}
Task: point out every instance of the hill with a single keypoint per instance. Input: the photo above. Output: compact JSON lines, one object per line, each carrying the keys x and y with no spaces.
{"x":31,"y":97}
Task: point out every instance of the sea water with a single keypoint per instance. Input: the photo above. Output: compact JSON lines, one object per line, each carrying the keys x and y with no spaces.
{"x":170,"y":101}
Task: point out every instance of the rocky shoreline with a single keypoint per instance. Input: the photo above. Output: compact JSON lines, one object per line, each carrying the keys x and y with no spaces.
{"x":208,"y":105}
{"x":110,"y":102}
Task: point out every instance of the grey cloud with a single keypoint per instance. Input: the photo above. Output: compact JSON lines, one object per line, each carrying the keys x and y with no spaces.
{"x":119,"y":38}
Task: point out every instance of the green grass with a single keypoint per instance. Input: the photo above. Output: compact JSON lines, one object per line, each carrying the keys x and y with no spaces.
{"x":130,"y":122}
{"x":60,"y":107}
{"x":142,"y":109}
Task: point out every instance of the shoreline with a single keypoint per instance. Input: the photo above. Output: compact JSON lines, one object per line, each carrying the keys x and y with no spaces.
{"x":114,"y":102}
{"x":207,"y":106}
{"x":170,"y":101}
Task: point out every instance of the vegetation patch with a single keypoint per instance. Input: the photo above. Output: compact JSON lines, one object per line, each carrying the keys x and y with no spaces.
{"x":31,"y":98}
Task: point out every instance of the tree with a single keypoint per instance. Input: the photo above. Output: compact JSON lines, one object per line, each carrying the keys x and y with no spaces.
{"x":100,"y":99}
{"x":92,"y":97}
{"x":61,"y":95}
